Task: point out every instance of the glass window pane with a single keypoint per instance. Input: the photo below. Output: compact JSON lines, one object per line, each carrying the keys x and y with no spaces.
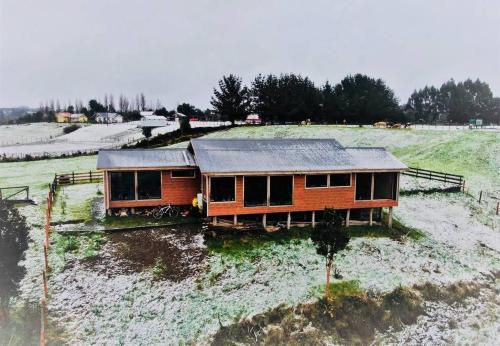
{"x":122,"y":186}
{"x":385,"y":185}
{"x":317,"y":180}
{"x":184,"y":173}
{"x":343,"y":179}
{"x":255,"y":191}
{"x":149,"y":185}
{"x":363,"y":186}
{"x":281,"y":190}
{"x":222,"y":189}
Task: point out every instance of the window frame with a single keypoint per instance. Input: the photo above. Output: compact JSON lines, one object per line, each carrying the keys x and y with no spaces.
{"x":110,"y":186}
{"x":187,"y":177}
{"x":210,"y":188}
{"x":317,"y":187}
{"x":267,"y":191}
{"x":137,"y":186}
{"x":339,"y":186}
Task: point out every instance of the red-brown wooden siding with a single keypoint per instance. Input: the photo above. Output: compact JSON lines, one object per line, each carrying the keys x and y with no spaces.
{"x":175,"y":191}
{"x":304,"y":199}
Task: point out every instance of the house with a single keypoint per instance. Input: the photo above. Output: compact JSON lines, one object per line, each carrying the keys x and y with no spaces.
{"x":108,"y":118}
{"x":153,"y":121}
{"x":257,"y":180}
{"x":66,"y":117}
{"x":253,"y":119}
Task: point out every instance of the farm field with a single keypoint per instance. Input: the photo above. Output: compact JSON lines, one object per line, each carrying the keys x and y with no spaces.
{"x":173,"y":285}
{"x":38,"y":139}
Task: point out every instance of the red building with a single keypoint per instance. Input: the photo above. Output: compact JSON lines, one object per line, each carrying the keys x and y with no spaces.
{"x":257,"y":180}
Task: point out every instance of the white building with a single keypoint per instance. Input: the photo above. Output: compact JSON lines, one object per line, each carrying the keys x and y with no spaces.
{"x":108,"y":118}
{"x":153,"y":121}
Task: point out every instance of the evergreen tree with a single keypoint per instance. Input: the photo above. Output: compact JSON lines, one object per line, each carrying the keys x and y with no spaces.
{"x":231,"y":100}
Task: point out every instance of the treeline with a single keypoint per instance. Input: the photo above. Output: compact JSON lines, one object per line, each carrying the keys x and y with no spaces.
{"x":357,"y":99}
{"x":129,"y":108}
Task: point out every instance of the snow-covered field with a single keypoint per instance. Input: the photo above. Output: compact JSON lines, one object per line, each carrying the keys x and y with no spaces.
{"x":29,"y":133}
{"x":117,"y":298}
{"x":40,"y":139}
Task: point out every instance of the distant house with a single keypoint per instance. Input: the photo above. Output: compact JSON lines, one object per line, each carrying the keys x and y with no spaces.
{"x":153,"y":121}
{"x":257,"y":180}
{"x":253,"y":119}
{"x":108,"y":118}
{"x":147,"y":113}
{"x":66,"y":117}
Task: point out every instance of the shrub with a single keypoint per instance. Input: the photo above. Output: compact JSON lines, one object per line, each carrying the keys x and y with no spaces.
{"x":70,"y":128}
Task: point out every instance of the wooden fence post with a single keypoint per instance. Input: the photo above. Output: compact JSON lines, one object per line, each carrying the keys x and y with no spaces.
{"x":498,"y":207}
{"x":480,"y":196}
{"x":73,"y":174}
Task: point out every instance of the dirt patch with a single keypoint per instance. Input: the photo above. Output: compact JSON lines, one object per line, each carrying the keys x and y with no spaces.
{"x":352,"y":318}
{"x":171,"y":253}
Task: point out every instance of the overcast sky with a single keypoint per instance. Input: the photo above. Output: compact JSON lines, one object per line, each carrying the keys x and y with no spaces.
{"x":176,"y":51}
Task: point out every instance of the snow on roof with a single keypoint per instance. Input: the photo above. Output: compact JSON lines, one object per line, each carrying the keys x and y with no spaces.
{"x":145,"y":113}
{"x":144,"y":158}
{"x":287,"y":155}
{"x":153,"y":117}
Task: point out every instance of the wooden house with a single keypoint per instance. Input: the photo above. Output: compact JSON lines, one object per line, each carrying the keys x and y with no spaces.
{"x":261,"y":180}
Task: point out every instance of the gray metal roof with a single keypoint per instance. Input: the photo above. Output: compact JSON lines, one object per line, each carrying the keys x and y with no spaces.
{"x":287,"y":155}
{"x":144,"y":158}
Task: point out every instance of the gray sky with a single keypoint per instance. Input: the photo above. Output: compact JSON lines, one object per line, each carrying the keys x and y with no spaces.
{"x":176,"y":51}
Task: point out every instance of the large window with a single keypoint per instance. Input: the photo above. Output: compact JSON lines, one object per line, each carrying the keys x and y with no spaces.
{"x":255,"y":191}
{"x":363,"y":186}
{"x":340,"y":179}
{"x":316,"y":180}
{"x":149,"y":185}
{"x":281,"y":190}
{"x":385,"y":185}
{"x":222,"y":189}
{"x":183,"y":173}
{"x":122,"y":186}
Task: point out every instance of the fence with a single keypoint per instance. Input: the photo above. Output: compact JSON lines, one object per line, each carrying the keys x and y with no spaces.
{"x":434,"y":175}
{"x":77,"y":178}
{"x":46,"y":268}
{"x":6,"y":193}
{"x":59,"y":179}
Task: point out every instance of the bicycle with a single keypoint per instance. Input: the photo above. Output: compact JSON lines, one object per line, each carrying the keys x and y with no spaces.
{"x":168,"y":210}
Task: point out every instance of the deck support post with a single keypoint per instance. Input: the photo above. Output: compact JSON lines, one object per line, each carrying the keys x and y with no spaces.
{"x":348,"y":217}
{"x":371,"y":217}
{"x":214,"y":220}
{"x":389,"y":219}
{"x":264,"y":220}
{"x":235,"y":219}
{"x":288,"y":220}
{"x":313,"y":219}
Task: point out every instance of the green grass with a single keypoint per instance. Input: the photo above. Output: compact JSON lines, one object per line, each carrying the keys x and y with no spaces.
{"x":347,"y":288}
{"x":251,"y":245}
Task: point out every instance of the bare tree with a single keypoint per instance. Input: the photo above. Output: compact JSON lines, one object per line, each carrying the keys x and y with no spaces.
{"x":111,"y":107}
{"x":51,"y":105}
{"x":158,"y":104}
{"x":58,"y":106}
{"x":123,"y":103}
{"x":106,"y":104}
{"x":143,"y":102}
{"x":137,"y":103}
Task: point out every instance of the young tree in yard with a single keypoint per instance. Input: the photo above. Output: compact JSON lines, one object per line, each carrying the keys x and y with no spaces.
{"x":231,"y":100}
{"x":330,"y":238}
{"x":13,"y":243}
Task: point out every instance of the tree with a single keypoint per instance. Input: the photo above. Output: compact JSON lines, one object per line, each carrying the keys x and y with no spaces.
{"x":330,"y":238}
{"x":123,"y":104}
{"x":13,"y":243}
{"x":189,"y":110}
{"x":231,"y":101}
{"x":366,"y":100}
{"x":288,"y":97}
{"x":146,"y":131}
{"x":95,"y":107}
{"x":142,"y":102}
